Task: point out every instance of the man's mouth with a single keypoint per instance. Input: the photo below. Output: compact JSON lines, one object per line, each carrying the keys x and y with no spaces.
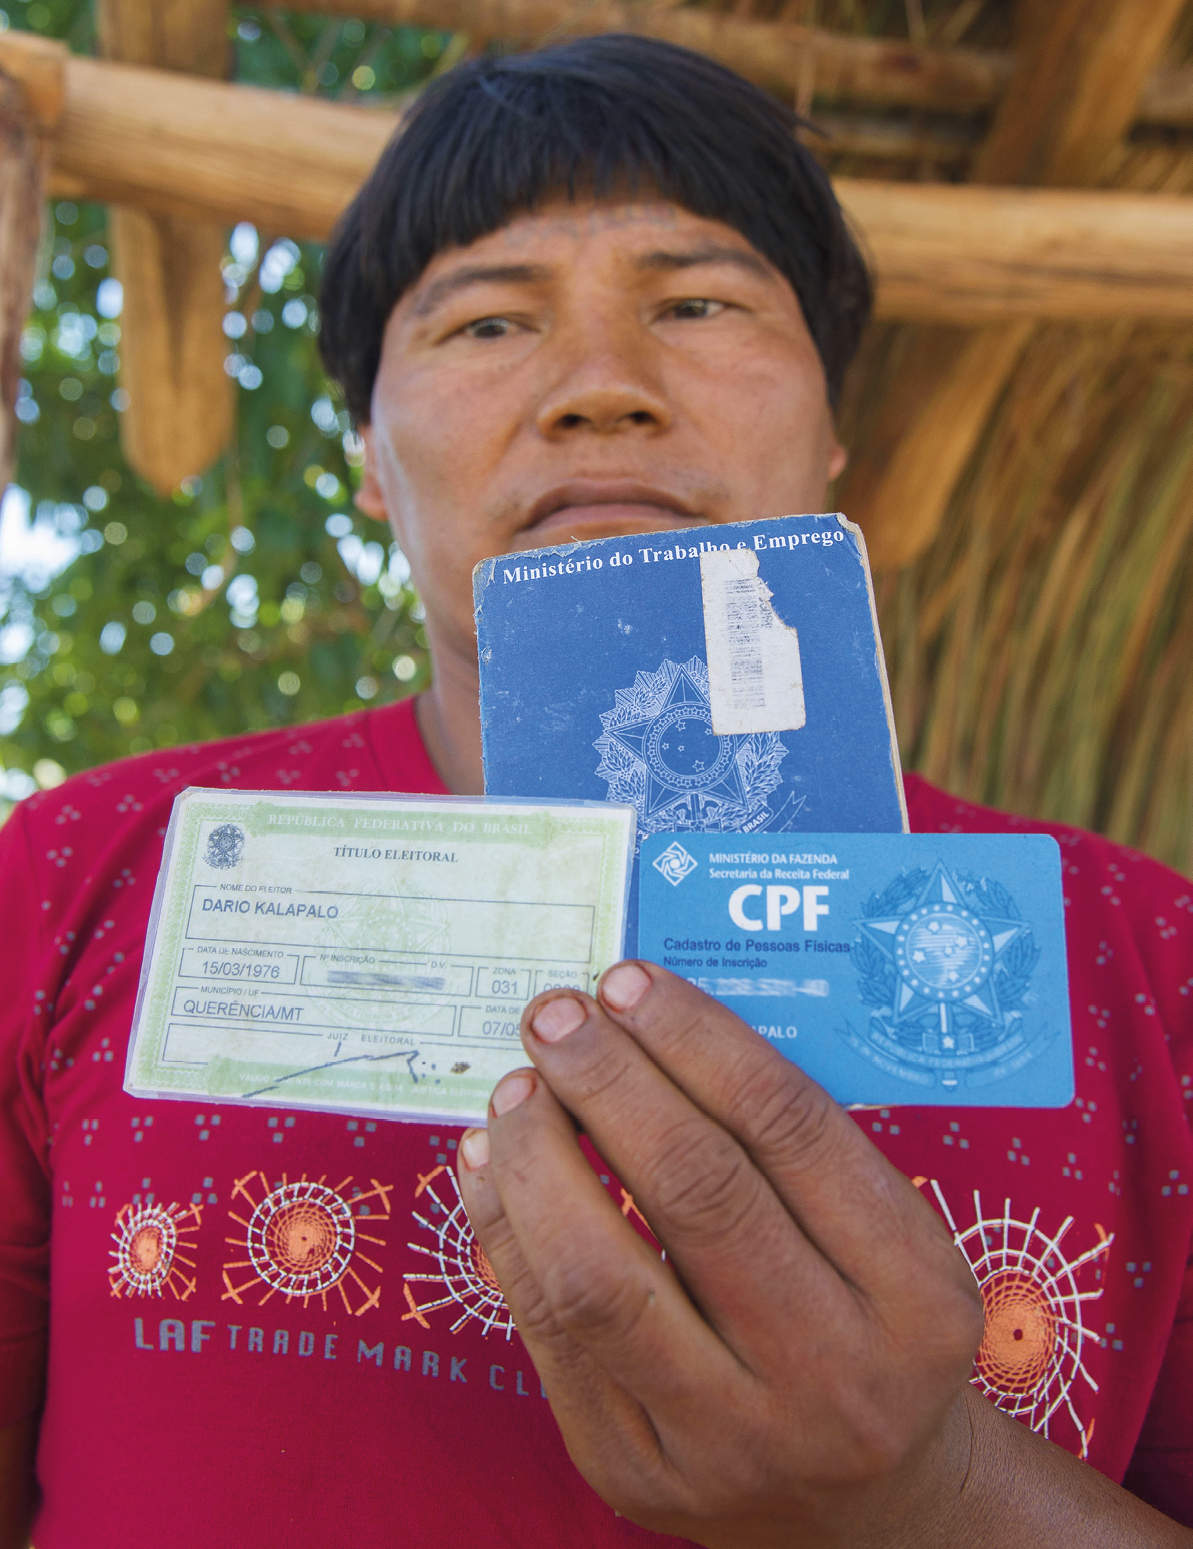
{"x":595,"y":508}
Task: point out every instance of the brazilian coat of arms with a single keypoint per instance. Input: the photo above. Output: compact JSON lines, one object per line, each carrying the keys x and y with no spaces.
{"x":944,"y":963}
{"x":659,"y":753}
{"x":225,"y":846}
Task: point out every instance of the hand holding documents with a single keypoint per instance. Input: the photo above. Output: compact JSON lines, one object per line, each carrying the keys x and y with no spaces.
{"x":367,"y":954}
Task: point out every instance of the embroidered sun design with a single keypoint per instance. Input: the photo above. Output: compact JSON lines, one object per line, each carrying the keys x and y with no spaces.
{"x":303,"y":1240}
{"x":462,"y":1276}
{"x":1031,"y":1353}
{"x":153,"y":1244}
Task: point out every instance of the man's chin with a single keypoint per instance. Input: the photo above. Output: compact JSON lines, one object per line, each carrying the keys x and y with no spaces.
{"x":603,"y":521}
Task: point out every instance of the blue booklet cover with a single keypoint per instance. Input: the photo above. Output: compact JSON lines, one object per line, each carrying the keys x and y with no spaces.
{"x":721,"y":680}
{"x":913,"y":968}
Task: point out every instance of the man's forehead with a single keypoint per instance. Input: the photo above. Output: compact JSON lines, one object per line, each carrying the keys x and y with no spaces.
{"x":642,"y":229}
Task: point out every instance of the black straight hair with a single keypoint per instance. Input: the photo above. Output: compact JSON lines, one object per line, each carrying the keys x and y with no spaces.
{"x":496,"y":136}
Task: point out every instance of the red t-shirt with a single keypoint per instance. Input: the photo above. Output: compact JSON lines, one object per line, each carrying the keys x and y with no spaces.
{"x":186,"y":1397}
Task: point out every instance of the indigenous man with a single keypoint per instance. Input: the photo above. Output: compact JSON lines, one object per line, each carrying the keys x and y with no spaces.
{"x":595,"y":291}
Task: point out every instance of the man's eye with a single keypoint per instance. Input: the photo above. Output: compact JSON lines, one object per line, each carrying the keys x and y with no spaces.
{"x":489,"y":328}
{"x":696,"y":307}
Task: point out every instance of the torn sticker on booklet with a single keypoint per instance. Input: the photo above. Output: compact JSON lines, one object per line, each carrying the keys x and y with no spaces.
{"x":755,"y":681}
{"x":367,"y":954}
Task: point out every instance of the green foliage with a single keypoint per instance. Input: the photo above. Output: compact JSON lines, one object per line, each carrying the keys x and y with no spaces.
{"x":256,"y":595}
{"x":343,"y":58}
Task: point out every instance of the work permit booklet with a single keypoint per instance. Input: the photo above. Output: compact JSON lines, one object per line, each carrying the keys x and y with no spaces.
{"x":718,"y":679}
{"x":367,"y":954}
{"x":914,"y":968}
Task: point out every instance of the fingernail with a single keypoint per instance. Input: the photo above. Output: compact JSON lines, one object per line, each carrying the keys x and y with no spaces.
{"x":624,"y":986}
{"x":474,"y":1148}
{"x":555,"y":1020}
{"x":510,"y":1091}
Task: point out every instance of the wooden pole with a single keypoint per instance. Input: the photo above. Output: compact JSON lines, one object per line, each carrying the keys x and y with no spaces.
{"x":875,"y":70}
{"x":172,"y":347}
{"x":23,"y":163}
{"x":944,"y":143}
{"x":965,"y":254}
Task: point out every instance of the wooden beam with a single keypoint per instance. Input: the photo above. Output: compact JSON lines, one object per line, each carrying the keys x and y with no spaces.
{"x":874,"y":70}
{"x":1079,"y":69}
{"x":210,"y":150}
{"x":964,"y":254}
{"x":1079,"y":72}
{"x":941,"y":252}
{"x":39,"y":66}
{"x":190,"y":36}
{"x":23,"y":161}
{"x":944,"y":143}
{"x":172,"y":347}
{"x":844,"y":68}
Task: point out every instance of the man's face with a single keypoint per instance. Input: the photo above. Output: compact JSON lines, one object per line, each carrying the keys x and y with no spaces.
{"x":591,"y":370}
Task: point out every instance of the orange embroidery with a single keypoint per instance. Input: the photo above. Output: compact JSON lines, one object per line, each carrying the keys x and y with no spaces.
{"x":429,"y":1178}
{"x":152,"y":1243}
{"x":462,"y":1276}
{"x":303,"y":1240}
{"x":1033,"y":1294}
{"x":416,"y":1311}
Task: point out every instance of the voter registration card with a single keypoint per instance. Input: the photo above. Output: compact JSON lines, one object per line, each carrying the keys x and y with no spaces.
{"x":892,"y":968}
{"x":367,"y":954}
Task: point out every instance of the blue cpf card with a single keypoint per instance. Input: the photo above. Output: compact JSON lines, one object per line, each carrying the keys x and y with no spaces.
{"x":718,"y":679}
{"x":910,"y":968}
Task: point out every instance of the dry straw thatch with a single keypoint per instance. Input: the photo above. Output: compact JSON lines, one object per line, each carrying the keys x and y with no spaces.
{"x":1041,"y":649}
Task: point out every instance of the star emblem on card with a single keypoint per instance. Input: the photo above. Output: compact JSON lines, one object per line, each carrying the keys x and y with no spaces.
{"x":946,"y":952}
{"x":659,"y":751}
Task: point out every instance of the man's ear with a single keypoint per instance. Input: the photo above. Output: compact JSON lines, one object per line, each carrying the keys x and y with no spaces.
{"x":837,"y":458}
{"x":369,"y":498}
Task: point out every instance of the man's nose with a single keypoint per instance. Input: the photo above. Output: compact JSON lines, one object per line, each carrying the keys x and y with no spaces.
{"x":607,"y":383}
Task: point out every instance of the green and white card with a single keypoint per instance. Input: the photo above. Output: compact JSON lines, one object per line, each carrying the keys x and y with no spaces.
{"x":367,"y":954}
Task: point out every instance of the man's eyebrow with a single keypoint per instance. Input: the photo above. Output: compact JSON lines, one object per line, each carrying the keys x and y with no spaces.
{"x":479,"y":274}
{"x":706,"y":253}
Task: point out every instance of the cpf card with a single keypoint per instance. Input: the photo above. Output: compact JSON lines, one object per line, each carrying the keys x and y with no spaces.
{"x":892,"y":968}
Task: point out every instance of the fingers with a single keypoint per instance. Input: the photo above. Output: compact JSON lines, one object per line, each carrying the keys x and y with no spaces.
{"x":851,"y":1202}
{"x":740,"y":1255}
{"x":605,"y":1431}
{"x":657,"y":1055}
{"x":607,"y":1325}
{"x":629,"y":1437}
